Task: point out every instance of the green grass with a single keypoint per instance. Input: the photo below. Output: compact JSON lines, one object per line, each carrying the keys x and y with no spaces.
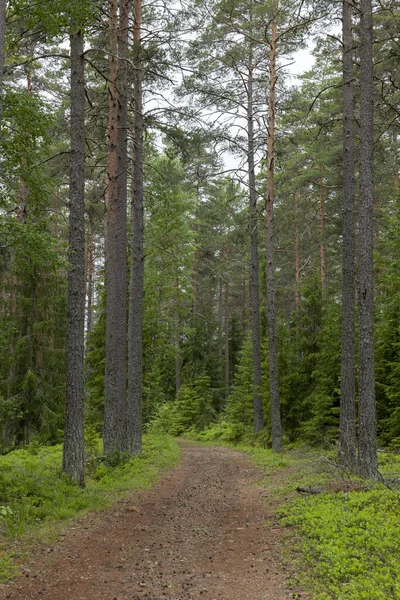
{"x":35,"y":497}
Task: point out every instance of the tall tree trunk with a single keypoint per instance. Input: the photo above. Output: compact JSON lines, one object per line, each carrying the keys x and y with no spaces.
{"x":276,"y":425}
{"x":297,"y":257}
{"x":226,"y":336}
{"x":177,"y":339}
{"x":116,"y":327}
{"x":196,"y":252}
{"x":135,"y":343}
{"x":396,"y":162}
{"x":221,"y":340}
{"x":90,"y":280}
{"x":2,"y":49}
{"x":122,"y":156}
{"x":367,"y":443}
{"x":322,"y":220}
{"x":255,"y":291}
{"x":73,"y":454}
{"x":347,"y":424}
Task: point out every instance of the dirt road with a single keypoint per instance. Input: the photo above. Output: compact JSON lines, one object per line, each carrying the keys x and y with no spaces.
{"x":200,"y":534}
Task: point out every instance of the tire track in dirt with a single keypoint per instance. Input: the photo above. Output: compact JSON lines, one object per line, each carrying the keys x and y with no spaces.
{"x":200,"y":534}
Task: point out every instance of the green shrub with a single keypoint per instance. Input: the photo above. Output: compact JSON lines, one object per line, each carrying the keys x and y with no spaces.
{"x":191,"y":411}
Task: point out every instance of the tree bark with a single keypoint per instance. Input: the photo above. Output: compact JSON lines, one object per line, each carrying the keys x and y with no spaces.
{"x":297,"y":257}
{"x":367,"y":442}
{"x":255,"y":291}
{"x":322,"y":219}
{"x":2,"y":50}
{"x":196,"y":254}
{"x":135,"y":343}
{"x":90,"y":281}
{"x":347,"y":420}
{"x":116,"y":284}
{"x":177,"y":340}
{"x":73,"y":453}
{"x":226,"y":323}
{"x":221,"y":340}
{"x":276,"y":425}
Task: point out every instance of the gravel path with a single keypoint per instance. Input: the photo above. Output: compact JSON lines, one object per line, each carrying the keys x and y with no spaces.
{"x":200,"y":534}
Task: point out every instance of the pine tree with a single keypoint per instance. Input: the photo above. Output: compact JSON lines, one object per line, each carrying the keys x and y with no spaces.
{"x":73,"y":454}
{"x":367,"y":442}
{"x":135,"y":338}
{"x":347,"y":427}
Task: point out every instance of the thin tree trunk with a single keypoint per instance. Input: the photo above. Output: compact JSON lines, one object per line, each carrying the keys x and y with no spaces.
{"x":347,"y":420}
{"x":226,"y":324}
{"x":177,"y":340}
{"x":220,"y":339}
{"x":367,"y":442}
{"x":115,"y":238}
{"x":322,"y":219}
{"x":73,"y":454}
{"x":135,"y":343}
{"x":2,"y":49}
{"x":90,"y":281}
{"x":297,"y":257}
{"x":255,"y":292}
{"x":396,"y":163}
{"x":276,"y":425}
{"x":244,"y":306}
{"x":196,"y":256}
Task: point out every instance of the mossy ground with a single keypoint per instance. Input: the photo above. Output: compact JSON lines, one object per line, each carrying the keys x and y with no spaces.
{"x":344,"y":543}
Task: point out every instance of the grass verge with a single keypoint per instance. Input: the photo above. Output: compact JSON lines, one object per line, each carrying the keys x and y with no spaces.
{"x":36,"y":499}
{"x":343,"y":544}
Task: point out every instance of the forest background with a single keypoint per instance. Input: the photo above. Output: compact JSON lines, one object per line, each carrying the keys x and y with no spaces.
{"x":209,"y":303}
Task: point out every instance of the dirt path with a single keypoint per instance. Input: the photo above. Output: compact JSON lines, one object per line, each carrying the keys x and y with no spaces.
{"x":200,"y":534}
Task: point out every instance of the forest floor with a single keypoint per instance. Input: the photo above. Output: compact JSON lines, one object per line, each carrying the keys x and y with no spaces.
{"x":206,"y":531}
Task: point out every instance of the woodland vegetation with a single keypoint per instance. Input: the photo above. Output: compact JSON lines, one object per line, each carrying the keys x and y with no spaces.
{"x":191,"y":239}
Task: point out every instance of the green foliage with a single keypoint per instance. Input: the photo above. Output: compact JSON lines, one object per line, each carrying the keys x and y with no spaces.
{"x":388,"y":335}
{"x":350,"y":544}
{"x":192,"y":410}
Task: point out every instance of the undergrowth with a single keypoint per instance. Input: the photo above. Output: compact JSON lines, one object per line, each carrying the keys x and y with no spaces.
{"x":350,"y":543}
{"x":35,"y":495}
{"x":345,"y":541}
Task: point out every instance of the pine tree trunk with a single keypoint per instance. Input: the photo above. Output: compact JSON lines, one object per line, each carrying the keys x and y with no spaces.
{"x":297,"y":257}
{"x":221,"y":340}
{"x":226,"y":323}
{"x":322,"y":219}
{"x":122,"y":157}
{"x":177,"y":340}
{"x":90,"y":281}
{"x":347,"y":424}
{"x":396,"y":163}
{"x":367,"y":442}
{"x":2,"y":49}
{"x":73,"y":454}
{"x":116,"y":286}
{"x":135,"y":343}
{"x":255,"y":292}
{"x":196,"y":256}
{"x":276,"y":425}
